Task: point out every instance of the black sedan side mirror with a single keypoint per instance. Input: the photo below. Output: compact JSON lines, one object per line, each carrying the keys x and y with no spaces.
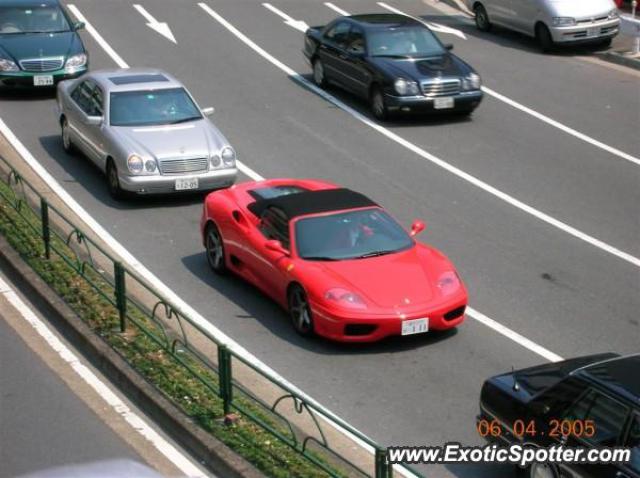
{"x":448,"y":46}
{"x":78,"y":25}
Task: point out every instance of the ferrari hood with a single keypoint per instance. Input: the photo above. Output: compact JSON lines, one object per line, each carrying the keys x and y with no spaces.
{"x":38,"y":45}
{"x":195,"y":139}
{"x":395,"y":281}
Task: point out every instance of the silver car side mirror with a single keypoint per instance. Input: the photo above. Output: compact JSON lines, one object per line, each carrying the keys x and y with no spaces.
{"x":93,"y":120}
{"x":208,"y":111}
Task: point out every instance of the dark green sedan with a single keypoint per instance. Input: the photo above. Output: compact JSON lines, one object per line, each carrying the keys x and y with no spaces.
{"x":39,"y":44}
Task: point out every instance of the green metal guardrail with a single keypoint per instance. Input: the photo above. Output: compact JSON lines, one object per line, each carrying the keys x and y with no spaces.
{"x":283,"y":412}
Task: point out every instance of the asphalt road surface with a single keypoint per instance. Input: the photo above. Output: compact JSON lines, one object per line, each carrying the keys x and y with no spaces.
{"x":566,"y":293}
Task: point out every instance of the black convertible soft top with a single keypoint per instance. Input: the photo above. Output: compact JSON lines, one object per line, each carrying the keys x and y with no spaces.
{"x":312,"y":202}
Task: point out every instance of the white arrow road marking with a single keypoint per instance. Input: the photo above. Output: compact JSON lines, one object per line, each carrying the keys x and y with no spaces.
{"x":161,"y":27}
{"x":535,"y":114}
{"x":297,"y":24}
{"x":436,"y":27}
{"x":336,"y":9}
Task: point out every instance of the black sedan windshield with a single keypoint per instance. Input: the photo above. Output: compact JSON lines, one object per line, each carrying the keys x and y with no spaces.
{"x":412,"y":42}
{"x":152,"y":107}
{"x":32,"y":19}
{"x":349,"y":235}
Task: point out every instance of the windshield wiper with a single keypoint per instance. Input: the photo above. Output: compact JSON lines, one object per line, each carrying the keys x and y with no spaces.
{"x":320,"y":258}
{"x":376,"y":253}
{"x":391,"y":56}
{"x":184,"y":120}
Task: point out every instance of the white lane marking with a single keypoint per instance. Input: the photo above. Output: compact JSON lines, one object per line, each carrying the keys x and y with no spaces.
{"x":94,"y":33}
{"x":161,"y":27}
{"x":436,"y":27}
{"x":137,"y":423}
{"x":513,"y":335}
{"x":544,"y":118}
{"x":297,"y":24}
{"x":337,"y":9}
{"x":180,"y":305}
{"x":421,"y":152}
{"x":528,"y":344}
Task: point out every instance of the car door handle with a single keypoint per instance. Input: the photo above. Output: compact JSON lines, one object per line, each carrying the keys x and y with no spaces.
{"x":323,"y":46}
{"x":342,"y":56}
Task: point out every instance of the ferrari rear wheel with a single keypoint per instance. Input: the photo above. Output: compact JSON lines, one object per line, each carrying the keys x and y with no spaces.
{"x":300,"y":311}
{"x":215,"y":249}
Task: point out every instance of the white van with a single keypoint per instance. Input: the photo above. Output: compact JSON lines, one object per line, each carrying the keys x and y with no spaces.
{"x":551,"y":22}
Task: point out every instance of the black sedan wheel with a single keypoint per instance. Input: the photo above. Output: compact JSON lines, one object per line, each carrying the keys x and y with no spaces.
{"x":545,"y":40}
{"x":379,"y":105}
{"x":113,"y":182}
{"x":300,"y":311}
{"x":482,"y":19}
{"x":67,"y":144}
{"x":318,"y":73}
{"x":215,"y":249}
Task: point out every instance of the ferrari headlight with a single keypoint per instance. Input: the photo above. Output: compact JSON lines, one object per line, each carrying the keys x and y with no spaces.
{"x":76,"y":61}
{"x":563,"y":21}
{"x":228,"y":156}
{"x":345,"y":298}
{"x":135,"y":164}
{"x":406,"y":87}
{"x":150,"y":165}
{"x":448,"y":282}
{"x":7,"y":65}
{"x":471,"y":82}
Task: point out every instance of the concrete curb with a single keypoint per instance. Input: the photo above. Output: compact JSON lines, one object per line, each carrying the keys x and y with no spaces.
{"x":620,"y":58}
{"x":207,"y":450}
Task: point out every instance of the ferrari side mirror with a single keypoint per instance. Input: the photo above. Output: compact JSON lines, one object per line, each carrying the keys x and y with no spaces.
{"x":276,"y":246}
{"x":417,"y":227}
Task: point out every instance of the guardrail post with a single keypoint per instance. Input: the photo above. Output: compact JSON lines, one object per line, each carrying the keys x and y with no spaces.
{"x":384,"y":469}
{"x":46,"y":232}
{"x":224,"y":372}
{"x":121,"y":294}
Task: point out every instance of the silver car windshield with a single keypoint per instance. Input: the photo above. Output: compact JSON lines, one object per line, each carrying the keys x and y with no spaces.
{"x":404,"y":42}
{"x":350,"y":235}
{"x":152,"y":107}
{"x":32,"y":19}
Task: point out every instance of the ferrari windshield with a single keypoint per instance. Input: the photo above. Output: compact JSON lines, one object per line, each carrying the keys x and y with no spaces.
{"x":152,"y":107}
{"x":349,"y":235}
{"x":404,"y":42}
{"x":32,"y":19}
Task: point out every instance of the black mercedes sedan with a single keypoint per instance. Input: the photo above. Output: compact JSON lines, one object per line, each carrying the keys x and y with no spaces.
{"x":588,"y":402}
{"x":393,"y":61}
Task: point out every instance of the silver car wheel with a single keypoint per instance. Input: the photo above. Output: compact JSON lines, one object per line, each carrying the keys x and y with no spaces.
{"x":318,"y":73}
{"x":215,"y":249}
{"x":300,"y":312}
{"x":66,"y":137}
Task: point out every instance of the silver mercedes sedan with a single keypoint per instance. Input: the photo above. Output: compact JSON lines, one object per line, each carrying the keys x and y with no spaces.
{"x":145,"y":131}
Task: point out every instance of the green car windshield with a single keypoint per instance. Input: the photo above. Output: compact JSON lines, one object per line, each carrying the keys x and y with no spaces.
{"x":152,"y":107}
{"x":32,"y":19}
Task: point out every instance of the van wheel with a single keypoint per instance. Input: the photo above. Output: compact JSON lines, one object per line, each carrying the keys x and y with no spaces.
{"x":482,"y":18}
{"x":544,"y":38}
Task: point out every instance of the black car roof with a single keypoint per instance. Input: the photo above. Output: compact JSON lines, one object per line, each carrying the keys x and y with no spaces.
{"x":312,"y":202}
{"x":621,"y":374}
{"x":385,"y":20}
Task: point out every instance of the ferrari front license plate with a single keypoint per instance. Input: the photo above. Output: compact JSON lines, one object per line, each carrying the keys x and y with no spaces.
{"x":416,"y":326}
{"x":443,"y":103}
{"x":43,"y":80}
{"x":183,"y":184}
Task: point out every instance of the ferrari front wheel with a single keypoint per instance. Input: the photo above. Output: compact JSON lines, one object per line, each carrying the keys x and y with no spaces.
{"x":215,"y":249}
{"x":300,"y":311}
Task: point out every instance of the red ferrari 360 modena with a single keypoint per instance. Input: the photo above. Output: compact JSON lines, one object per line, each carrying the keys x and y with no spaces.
{"x":333,"y":258}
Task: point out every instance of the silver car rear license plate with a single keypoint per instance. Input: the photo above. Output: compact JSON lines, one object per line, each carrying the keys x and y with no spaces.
{"x":43,"y":80}
{"x":183,"y":184}
{"x":443,"y":103}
